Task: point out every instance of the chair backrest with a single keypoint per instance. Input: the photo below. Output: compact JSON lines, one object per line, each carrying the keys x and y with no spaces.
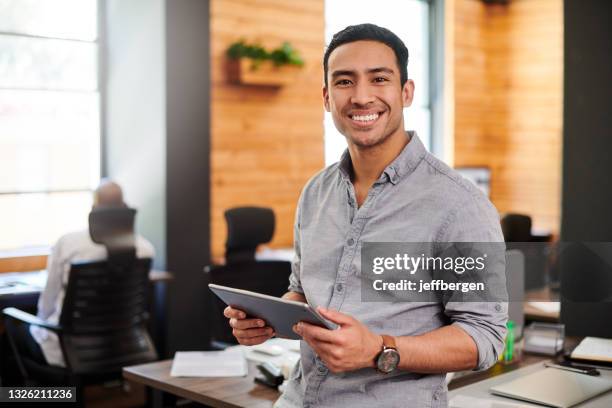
{"x":105,"y":307}
{"x":267,"y":277}
{"x":247,"y":227}
{"x":104,"y":316}
{"x":516,"y":228}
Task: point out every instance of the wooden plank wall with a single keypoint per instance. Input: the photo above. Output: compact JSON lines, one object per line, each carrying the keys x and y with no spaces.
{"x":508,"y":87}
{"x":265,"y":142}
{"x":23,"y":263}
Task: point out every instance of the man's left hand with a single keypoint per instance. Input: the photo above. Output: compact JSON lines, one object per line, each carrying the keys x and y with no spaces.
{"x":350,"y":347}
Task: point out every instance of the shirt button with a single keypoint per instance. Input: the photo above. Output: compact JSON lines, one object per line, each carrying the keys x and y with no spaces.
{"x":498,"y":307}
{"x":339,"y":287}
{"x":350,"y":242}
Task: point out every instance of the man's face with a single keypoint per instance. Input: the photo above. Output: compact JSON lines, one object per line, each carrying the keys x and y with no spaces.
{"x":364,"y":93}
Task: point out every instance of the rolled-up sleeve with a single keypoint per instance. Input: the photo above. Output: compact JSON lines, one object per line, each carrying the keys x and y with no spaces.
{"x":485,"y":323}
{"x":477,"y":220}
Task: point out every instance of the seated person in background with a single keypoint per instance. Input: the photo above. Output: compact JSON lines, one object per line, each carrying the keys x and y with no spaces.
{"x":73,"y":247}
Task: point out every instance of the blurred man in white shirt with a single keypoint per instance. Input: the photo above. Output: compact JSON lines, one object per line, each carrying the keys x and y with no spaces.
{"x":74,"y":247}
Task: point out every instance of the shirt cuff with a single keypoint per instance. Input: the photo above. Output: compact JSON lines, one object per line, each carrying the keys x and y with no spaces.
{"x":296,"y":288}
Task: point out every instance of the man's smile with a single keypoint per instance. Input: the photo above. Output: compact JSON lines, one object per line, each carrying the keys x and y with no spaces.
{"x":364,"y":119}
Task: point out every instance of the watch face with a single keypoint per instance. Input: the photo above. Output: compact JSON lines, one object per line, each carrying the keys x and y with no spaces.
{"x":388,"y":360}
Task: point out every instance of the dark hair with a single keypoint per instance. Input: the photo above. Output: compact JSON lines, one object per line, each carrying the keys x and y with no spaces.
{"x":372,"y":32}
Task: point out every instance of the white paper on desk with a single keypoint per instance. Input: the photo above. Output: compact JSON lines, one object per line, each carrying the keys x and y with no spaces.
{"x":548,"y":307}
{"x":226,"y":363}
{"x":594,"y":348}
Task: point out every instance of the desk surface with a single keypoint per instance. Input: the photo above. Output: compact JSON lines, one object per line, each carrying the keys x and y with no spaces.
{"x":223,"y":392}
{"x":21,"y":283}
{"x":537,"y":314}
{"x":244,"y":392}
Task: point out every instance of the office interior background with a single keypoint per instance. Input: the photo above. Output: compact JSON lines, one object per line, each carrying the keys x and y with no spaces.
{"x":140,"y":91}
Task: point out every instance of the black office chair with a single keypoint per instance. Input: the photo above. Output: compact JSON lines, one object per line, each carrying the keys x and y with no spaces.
{"x":517,"y":234}
{"x":247,"y":228}
{"x":102,"y":326}
{"x":516,"y":228}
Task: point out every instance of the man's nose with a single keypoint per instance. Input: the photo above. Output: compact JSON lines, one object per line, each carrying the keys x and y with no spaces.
{"x":362,"y":95}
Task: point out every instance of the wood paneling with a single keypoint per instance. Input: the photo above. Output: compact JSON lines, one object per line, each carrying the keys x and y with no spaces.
{"x":508,"y":99}
{"x":23,"y":263}
{"x":265,"y":142}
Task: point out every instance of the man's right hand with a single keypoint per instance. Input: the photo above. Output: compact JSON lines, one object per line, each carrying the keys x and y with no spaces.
{"x":248,"y":332}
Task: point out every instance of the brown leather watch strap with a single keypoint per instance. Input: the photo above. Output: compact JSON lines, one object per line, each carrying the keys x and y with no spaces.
{"x":388,"y":342}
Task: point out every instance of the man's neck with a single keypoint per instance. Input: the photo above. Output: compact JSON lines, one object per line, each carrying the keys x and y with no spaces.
{"x":369,"y":163}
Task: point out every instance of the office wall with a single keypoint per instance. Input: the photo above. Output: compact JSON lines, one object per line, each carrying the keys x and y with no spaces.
{"x":508,"y":88}
{"x":587,"y":188}
{"x":265,"y":142}
{"x":134,"y":121}
{"x":156,"y":144}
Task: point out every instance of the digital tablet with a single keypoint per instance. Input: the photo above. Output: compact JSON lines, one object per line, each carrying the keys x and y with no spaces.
{"x":280,"y":314}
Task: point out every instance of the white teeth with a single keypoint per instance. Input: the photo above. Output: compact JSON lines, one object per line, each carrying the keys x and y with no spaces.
{"x":365,"y":118}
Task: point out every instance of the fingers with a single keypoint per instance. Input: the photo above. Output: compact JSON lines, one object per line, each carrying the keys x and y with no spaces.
{"x":250,"y":333}
{"x":312,"y":332}
{"x":230,"y":312}
{"x":246,"y":323}
{"x":335,"y":316}
{"x":247,"y":331}
{"x":253,"y":341}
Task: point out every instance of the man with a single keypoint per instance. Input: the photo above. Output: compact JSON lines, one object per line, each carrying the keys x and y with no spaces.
{"x":72,"y":247}
{"x":386,"y":188}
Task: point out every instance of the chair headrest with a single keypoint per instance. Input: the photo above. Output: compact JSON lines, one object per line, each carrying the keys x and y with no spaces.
{"x":114,"y":228}
{"x":516,"y":228}
{"x":247,"y":227}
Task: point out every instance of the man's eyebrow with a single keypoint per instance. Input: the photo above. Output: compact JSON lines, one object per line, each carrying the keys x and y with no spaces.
{"x":342,"y":72}
{"x":348,"y":72}
{"x":380,"y":69}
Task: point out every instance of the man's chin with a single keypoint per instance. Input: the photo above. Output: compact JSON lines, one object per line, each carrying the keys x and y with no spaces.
{"x":366,"y":142}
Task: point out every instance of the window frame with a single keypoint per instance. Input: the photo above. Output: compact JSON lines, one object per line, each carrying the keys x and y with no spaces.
{"x":101,"y":89}
{"x":100,"y":43}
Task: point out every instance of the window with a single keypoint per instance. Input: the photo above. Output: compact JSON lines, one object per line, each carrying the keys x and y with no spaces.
{"x":409,"y":19}
{"x":49,"y":118}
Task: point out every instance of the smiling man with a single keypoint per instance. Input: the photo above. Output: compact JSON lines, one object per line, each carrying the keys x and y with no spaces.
{"x":386,"y":188}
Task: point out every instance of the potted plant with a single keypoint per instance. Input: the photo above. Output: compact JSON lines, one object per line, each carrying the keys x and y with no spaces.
{"x":254,"y":65}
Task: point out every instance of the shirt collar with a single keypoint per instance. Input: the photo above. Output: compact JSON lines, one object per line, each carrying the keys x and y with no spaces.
{"x":401,"y":166}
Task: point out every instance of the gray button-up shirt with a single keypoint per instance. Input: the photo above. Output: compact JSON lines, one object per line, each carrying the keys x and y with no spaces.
{"x":417,"y":199}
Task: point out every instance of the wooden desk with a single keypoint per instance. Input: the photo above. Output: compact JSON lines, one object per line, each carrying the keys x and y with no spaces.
{"x":21,"y":260}
{"x":225,"y":392}
{"x":244,"y":392}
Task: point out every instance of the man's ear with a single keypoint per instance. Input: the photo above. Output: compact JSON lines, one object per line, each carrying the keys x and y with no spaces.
{"x":326,"y":98}
{"x":408,"y":93}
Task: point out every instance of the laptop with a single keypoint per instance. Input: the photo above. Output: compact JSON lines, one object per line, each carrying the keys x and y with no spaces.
{"x":554,"y":387}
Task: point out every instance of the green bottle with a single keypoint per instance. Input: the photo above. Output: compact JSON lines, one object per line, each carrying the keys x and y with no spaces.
{"x":509,"y":349}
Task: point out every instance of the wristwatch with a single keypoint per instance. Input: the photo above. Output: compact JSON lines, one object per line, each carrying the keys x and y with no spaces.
{"x":388,"y":359}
